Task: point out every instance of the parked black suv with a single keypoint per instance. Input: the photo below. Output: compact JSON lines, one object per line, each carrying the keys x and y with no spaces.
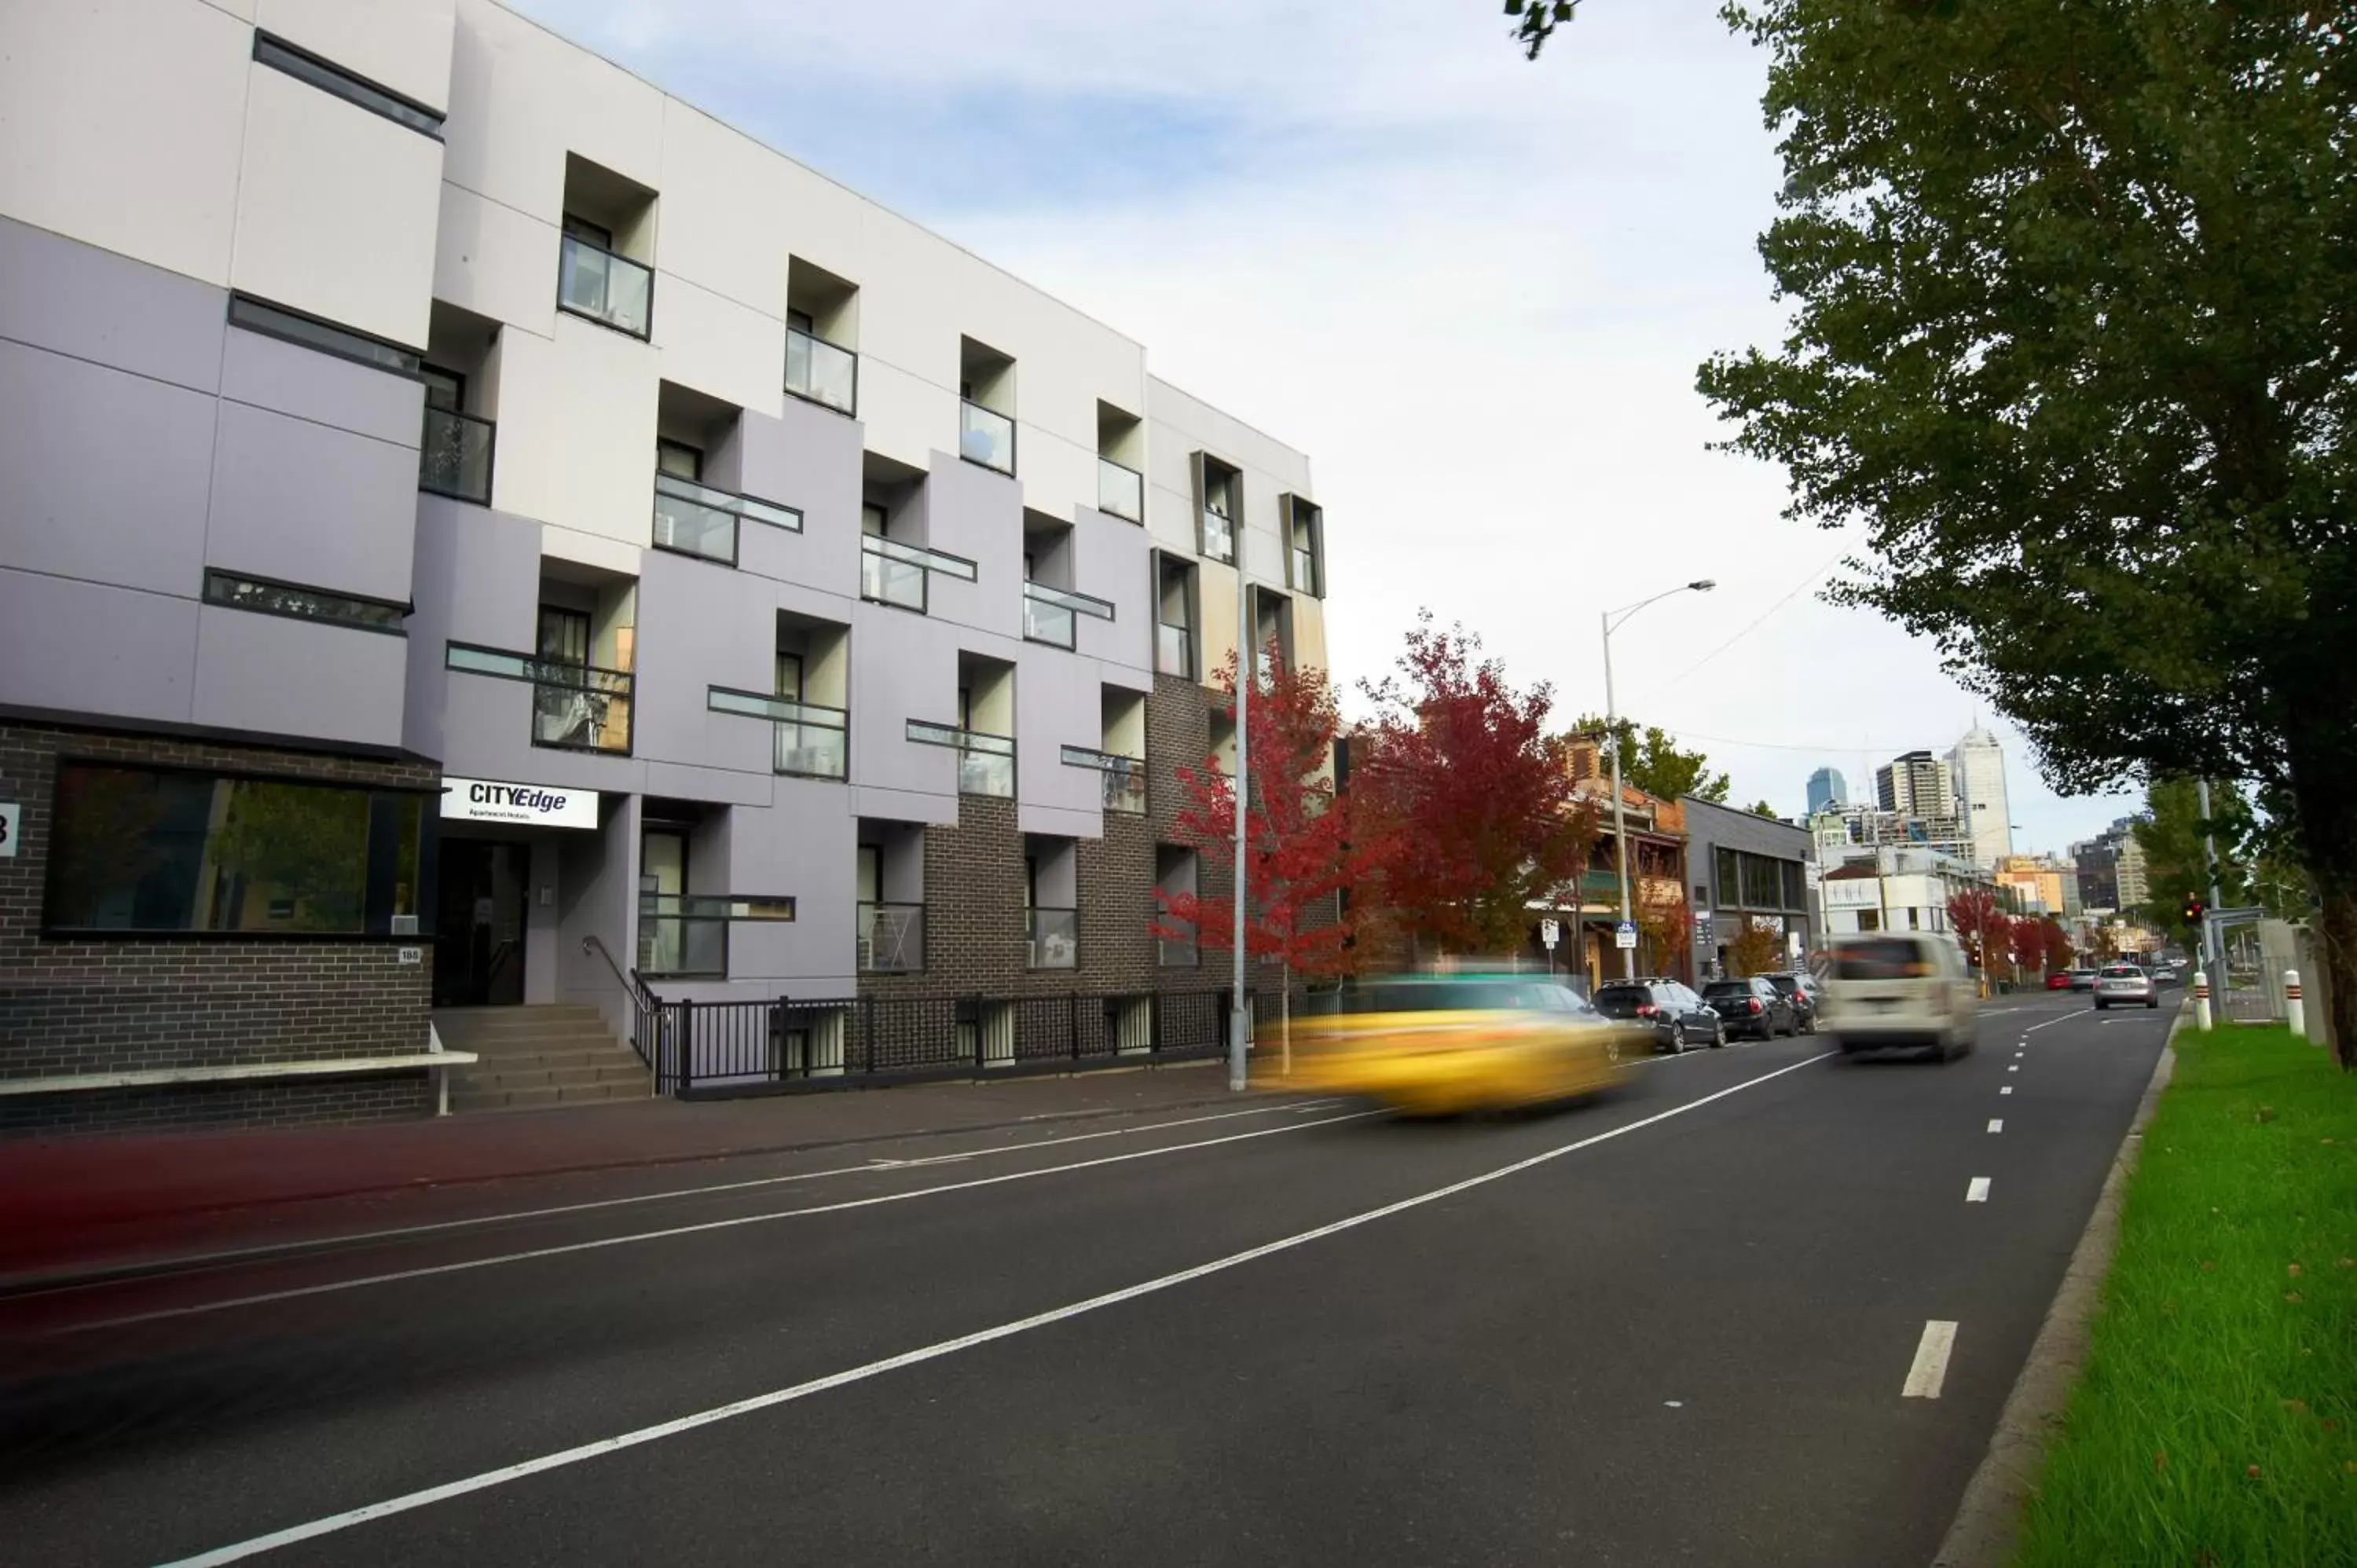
{"x":1805,"y":996}
{"x":1752,"y":1007}
{"x":1679,"y":1018}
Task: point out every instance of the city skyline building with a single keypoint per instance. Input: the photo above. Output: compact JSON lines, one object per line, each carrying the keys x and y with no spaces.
{"x":1827,"y":788}
{"x":1977,"y":771}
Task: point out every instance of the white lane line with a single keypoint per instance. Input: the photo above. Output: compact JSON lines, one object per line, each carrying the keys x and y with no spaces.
{"x":1978,"y":1191}
{"x":430,"y":1270}
{"x":1930,"y":1367}
{"x":1997,"y":1124}
{"x":195,"y":1262}
{"x":2052,"y":1022}
{"x":2013,"y":1067}
{"x":408,"y":1501}
{"x":2006,"y":1089}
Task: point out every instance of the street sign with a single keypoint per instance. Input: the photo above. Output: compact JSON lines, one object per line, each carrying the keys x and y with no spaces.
{"x":1550,"y":932}
{"x":1624,"y":935}
{"x":10,"y":819}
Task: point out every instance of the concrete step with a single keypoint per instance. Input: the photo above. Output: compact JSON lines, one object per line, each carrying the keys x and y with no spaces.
{"x":504,"y":1076}
{"x":580,"y":1054}
{"x":511,"y":1045}
{"x":531,"y":1097}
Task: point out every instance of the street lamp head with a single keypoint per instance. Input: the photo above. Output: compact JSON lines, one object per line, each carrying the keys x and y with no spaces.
{"x":1703,"y":587}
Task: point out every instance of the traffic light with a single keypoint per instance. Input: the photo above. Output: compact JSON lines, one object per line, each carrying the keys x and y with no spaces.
{"x":2194,"y":908}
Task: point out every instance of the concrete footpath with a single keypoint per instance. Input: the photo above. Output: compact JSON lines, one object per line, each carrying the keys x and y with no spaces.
{"x":71,"y":1200}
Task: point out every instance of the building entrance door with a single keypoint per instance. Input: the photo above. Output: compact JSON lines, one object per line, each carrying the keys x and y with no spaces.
{"x":478,"y":954}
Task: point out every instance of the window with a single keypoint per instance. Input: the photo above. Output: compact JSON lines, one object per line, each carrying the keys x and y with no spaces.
{"x":304,"y":65}
{"x":267,"y":597}
{"x":594,"y":281}
{"x":563,"y":635}
{"x":444,"y":389}
{"x":678,"y":459}
{"x":140,"y":850}
{"x":310,"y":332}
{"x":1217,"y":487}
{"x":1305,"y":546}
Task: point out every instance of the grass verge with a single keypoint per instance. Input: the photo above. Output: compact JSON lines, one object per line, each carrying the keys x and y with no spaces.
{"x":2215,"y":1422}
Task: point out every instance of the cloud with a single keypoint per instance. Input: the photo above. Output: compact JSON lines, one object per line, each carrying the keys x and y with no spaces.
{"x":1474,"y":289}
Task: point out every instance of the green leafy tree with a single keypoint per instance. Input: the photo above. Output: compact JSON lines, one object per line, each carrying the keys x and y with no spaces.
{"x":1653,"y":761}
{"x":2175,"y":864}
{"x":1762,"y":808}
{"x":2070,"y":296}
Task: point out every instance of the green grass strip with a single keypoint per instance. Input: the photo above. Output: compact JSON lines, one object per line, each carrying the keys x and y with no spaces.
{"x":2215,"y":1422}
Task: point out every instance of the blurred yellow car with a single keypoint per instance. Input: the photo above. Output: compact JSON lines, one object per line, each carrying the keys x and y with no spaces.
{"x":1437,"y":1045}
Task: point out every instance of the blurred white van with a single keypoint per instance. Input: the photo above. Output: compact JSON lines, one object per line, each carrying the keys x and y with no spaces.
{"x":1900,"y":989}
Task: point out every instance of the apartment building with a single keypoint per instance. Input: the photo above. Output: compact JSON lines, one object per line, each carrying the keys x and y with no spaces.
{"x":478,"y":526}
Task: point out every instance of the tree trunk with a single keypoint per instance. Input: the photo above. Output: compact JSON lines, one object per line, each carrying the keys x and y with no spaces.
{"x":2327,"y":833}
{"x":2338,"y":946}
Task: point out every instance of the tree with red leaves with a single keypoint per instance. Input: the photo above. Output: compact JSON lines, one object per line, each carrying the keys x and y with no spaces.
{"x":1299,"y":852}
{"x":2040,"y":945}
{"x":1471,"y":798}
{"x":1979,"y":924}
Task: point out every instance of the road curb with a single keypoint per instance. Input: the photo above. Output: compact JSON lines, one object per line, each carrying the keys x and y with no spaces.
{"x":1989,"y":1519}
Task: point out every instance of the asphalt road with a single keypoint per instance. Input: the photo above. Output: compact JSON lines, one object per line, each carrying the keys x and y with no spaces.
{"x":1671,"y":1327}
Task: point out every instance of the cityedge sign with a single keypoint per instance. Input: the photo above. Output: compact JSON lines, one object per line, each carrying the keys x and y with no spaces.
{"x":537,"y":805}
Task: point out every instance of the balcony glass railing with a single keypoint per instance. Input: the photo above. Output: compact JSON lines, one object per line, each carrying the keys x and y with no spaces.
{"x":594,"y":282}
{"x":817,"y":369}
{"x":1124,"y":777}
{"x":1120,"y":490}
{"x":697,"y":520}
{"x":1173,"y":952}
{"x":1050,"y":615}
{"x":578,"y":706}
{"x":985,"y":436}
{"x":813,"y":740}
{"x":985,"y":762}
{"x":454,"y":456}
{"x":682,"y":934}
{"x":1305,"y":572}
{"x":1054,"y":936}
{"x":891,"y":938}
{"x":892,"y":573}
{"x":1174,"y":650}
{"x":1218,"y":536}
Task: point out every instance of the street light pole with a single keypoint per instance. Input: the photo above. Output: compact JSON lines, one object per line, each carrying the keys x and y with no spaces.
{"x":1613,"y":619}
{"x":1238,"y":1016}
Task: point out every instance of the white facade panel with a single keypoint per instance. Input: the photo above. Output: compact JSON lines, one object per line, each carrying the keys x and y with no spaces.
{"x":276,"y":674}
{"x":521,"y":98}
{"x":717,"y":346}
{"x":401,"y":43}
{"x":907,"y":418}
{"x":496,"y":262}
{"x":724,"y":227}
{"x":335,"y":209}
{"x":577,"y":430}
{"x":120,"y":126}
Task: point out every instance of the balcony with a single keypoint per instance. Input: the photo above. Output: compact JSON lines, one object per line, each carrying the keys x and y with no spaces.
{"x":1120,"y":491}
{"x":1124,"y":777}
{"x":890,"y":938}
{"x":985,"y":762}
{"x":683,"y":936}
{"x":1305,"y":572}
{"x":985,"y":436}
{"x":812,"y":741}
{"x":693,"y":519}
{"x":454,"y":456}
{"x":892,"y":572}
{"x":1053,"y":936}
{"x":575,"y":707}
{"x":1174,"y":953}
{"x":818,"y":370}
{"x":1218,"y":536}
{"x":1174,"y":650}
{"x":1050,"y":615}
{"x":611,"y":290}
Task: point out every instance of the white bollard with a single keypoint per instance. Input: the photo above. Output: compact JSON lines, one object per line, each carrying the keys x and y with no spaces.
{"x":2295,"y":1010}
{"x":2202,"y":1001}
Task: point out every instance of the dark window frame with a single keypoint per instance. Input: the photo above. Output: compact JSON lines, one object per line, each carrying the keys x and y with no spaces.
{"x":366,"y":349}
{"x":429,"y":834}
{"x":217,"y":574}
{"x":316,"y":70}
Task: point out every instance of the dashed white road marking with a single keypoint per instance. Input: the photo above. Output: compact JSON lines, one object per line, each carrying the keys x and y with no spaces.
{"x":1978,"y":1191}
{"x":1997,"y":1124}
{"x":2006,"y":1089}
{"x":1931,"y":1367}
{"x":331,"y":1523}
{"x":2013,"y":1067}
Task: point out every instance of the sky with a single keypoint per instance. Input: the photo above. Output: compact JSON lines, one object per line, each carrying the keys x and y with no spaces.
{"x":1473,"y":288}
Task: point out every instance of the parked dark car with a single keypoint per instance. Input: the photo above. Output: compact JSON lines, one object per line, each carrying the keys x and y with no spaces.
{"x":1680,"y":1018}
{"x":1752,"y":1007}
{"x":1805,"y":996}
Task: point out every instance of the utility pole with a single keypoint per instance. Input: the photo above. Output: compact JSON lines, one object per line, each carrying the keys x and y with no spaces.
{"x":1247,"y":662}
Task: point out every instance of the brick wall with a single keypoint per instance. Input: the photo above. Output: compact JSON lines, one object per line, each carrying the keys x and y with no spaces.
{"x":109,"y":1005}
{"x":975,"y":942}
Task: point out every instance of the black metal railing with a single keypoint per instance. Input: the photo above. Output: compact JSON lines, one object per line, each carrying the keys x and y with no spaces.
{"x":454,"y":456}
{"x":769,"y":1045}
{"x":639,"y":1002}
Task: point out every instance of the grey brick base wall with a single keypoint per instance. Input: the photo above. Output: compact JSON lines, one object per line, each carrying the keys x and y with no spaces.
{"x":82,"y":1006}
